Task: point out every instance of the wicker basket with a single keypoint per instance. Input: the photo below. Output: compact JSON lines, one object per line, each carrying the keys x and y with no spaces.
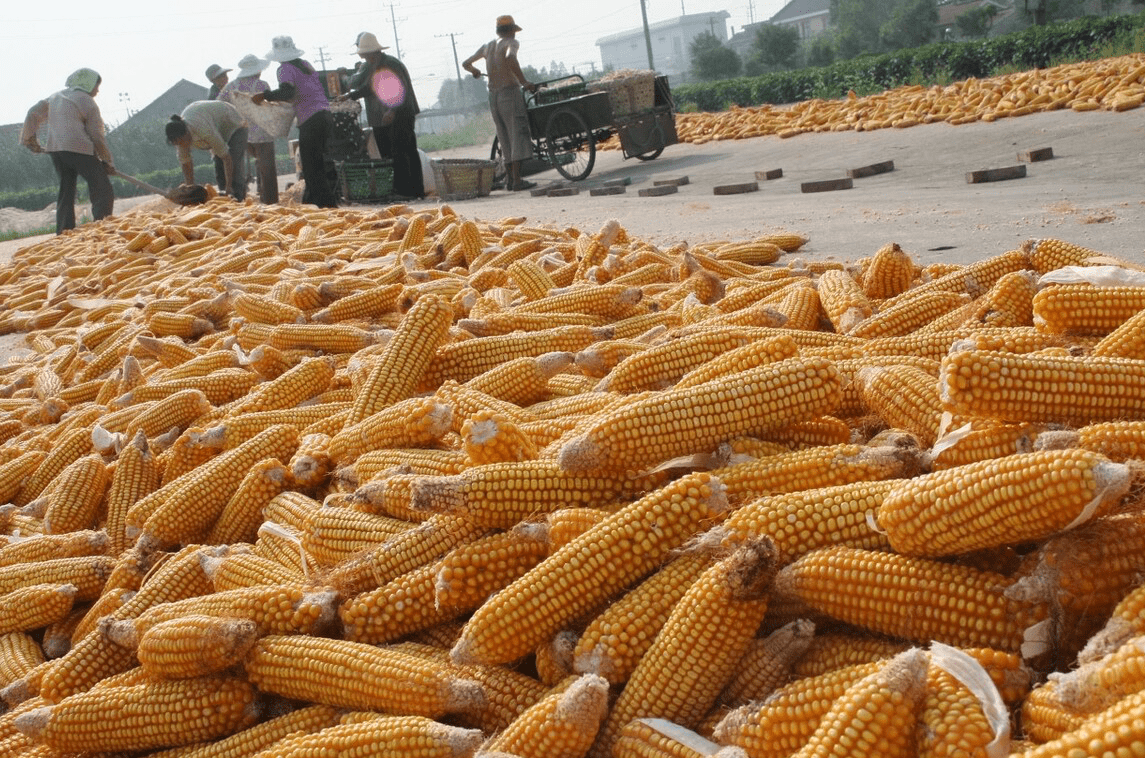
{"x":366,"y":181}
{"x":629,"y":94}
{"x":273,"y":118}
{"x":463,"y":178}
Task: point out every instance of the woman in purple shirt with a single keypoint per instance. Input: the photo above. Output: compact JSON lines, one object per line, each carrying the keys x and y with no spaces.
{"x":298,"y":84}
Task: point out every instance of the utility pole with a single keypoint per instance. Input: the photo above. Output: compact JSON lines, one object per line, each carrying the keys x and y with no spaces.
{"x":751,"y":11}
{"x":394,"y":21}
{"x":322,"y":59}
{"x":647,"y":34}
{"x":456,"y":64}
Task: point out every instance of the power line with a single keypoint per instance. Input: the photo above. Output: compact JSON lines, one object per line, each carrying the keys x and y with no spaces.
{"x":453,"y":41}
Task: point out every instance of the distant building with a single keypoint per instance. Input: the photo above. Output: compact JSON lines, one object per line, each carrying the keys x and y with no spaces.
{"x":948,"y":13}
{"x":671,"y":44}
{"x":810,"y":17}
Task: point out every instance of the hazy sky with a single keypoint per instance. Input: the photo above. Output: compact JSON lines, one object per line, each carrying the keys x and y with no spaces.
{"x":142,"y":47}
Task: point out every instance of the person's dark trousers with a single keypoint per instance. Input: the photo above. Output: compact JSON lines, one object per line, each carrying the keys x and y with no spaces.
{"x":266,"y":171}
{"x":220,"y":173}
{"x":398,"y":142}
{"x":236,"y":146}
{"x":68,"y":167}
{"x":312,"y":138}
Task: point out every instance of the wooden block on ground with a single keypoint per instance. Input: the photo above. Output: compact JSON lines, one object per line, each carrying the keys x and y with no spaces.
{"x":827,"y":185}
{"x":996,"y":174}
{"x":619,"y":189}
{"x":735,"y":189}
{"x":679,"y":181}
{"x":541,"y":191}
{"x":1040,"y":154}
{"x":871,"y":170}
{"x":774,"y":173}
{"x":623,"y":182}
{"x":663,"y":189}
{"x":564,"y":191}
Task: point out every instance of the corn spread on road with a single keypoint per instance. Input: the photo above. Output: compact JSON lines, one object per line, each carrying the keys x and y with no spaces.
{"x":298,"y":482}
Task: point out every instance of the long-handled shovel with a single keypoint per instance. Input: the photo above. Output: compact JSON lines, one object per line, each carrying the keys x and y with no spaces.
{"x":187,"y":194}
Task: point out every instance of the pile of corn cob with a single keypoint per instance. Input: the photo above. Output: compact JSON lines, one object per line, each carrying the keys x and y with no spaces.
{"x":1116,"y":84}
{"x":322,"y":482}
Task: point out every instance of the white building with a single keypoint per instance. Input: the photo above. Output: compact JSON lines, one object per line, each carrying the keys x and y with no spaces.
{"x":671,"y":44}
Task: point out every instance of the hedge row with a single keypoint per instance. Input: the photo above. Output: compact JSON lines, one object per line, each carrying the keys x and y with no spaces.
{"x":1035,"y":47}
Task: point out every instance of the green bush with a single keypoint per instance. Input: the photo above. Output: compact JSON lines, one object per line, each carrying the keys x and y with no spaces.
{"x":165,"y":179}
{"x":1084,"y":38}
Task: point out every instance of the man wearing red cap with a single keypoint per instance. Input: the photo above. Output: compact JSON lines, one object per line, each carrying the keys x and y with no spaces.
{"x":505,"y":98}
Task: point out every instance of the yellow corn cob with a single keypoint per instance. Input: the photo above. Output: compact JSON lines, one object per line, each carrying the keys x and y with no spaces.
{"x":170,"y":353}
{"x":70,"y":449}
{"x":909,"y":315}
{"x":999,"y":385}
{"x":756,"y":353}
{"x":683,"y":421}
{"x":243,"y":513}
{"x":44,"y":547}
{"x":356,"y":675}
{"x":818,"y":432}
{"x":499,"y":495}
{"x":307,"y":379}
{"x":1127,"y":340}
{"x":1019,"y":498}
{"x":872,"y":577}
{"x":245,"y":568}
{"x":331,"y":534}
{"x":522,"y":381}
{"x":15,"y":472}
{"x":87,"y":573}
{"x":962,"y":711}
{"x":906,"y":398}
{"x":408,"y":423}
{"x":461,"y":361}
{"x":1111,"y":732}
{"x":660,"y":738}
{"x":265,"y":310}
{"x":365,"y":305}
{"x":195,"y":504}
{"x":879,"y":710}
{"x":616,"y":640}
{"x":185,"y":711}
{"x":19,"y":654}
{"x":836,"y":650}
{"x":35,"y":606}
{"x":464,"y":402}
{"x":512,"y":622}
{"x":531,"y":280}
{"x":802,"y":521}
{"x":395,"y":609}
{"x":1049,"y":254}
{"x":889,"y":273}
{"x":287,"y":609}
{"x":561,"y":725}
{"x":1085,"y":309}
{"x":330,"y":338}
{"x":489,"y":438}
{"x":470,"y":573}
{"x":219,"y":387}
{"x":695,"y":655}
{"x":188,"y":451}
{"x":591,"y":251}
{"x":188,"y":326}
{"x":78,"y":491}
{"x":420,"y":461}
{"x":310,"y":466}
{"x":235,"y":430}
{"x":194,"y":645}
{"x":843,"y":300}
{"x":567,"y":524}
{"x":177,"y":411}
{"x":308,"y":719}
{"x":662,"y":366}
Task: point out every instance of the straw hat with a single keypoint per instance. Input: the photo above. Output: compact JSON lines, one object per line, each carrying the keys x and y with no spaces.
{"x":214,"y":71}
{"x":368,"y":43}
{"x":282,"y":49}
{"x":83,"y":79}
{"x":507,"y":20}
{"x":251,"y":65}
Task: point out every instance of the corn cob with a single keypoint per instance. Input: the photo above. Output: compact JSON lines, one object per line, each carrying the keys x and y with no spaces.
{"x":243,"y":513}
{"x":367,"y":677}
{"x":1085,"y":309}
{"x":35,"y":606}
{"x":694,"y":418}
{"x":78,"y":491}
{"x":408,"y":423}
{"x":194,"y":645}
{"x":470,"y":573}
{"x":512,"y":622}
{"x":330,"y":338}
{"x":331,"y":534}
{"x":660,"y":738}
{"x":70,"y":449}
{"x":462,"y":361}
{"x":405,"y":360}
{"x":186,"y":711}
{"x":308,"y":719}
{"x":695,"y":655}
{"x":915,"y":581}
{"x":1084,"y":390}
{"x":416,"y":736}
{"x":309,"y":378}
{"x":561,"y":725}
{"x":219,"y":387}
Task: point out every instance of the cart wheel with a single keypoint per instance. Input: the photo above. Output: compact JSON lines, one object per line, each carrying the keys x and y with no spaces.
{"x":655,"y":137}
{"x":498,"y":157}
{"x":651,"y":154}
{"x":569,"y":144}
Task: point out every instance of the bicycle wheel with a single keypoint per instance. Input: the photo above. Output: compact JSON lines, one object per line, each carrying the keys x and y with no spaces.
{"x":569,"y":144}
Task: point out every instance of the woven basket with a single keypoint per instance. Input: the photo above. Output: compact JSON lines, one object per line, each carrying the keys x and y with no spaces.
{"x":369,"y":181}
{"x":463,"y":178}
{"x":273,"y":118}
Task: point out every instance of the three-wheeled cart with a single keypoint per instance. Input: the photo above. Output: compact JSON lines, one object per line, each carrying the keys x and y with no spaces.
{"x":567,"y":121}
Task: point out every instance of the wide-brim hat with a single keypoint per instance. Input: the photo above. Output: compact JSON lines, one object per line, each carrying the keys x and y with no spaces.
{"x":214,"y":71}
{"x":251,"y":65}
{"x":368,"y":43}
{"x":507,"y":21}
{"x":282,"y":49}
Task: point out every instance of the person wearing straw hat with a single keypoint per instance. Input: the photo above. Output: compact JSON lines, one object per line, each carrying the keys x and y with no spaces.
{"x":384,"y":84}
{"x":299,"y":85}
{"x":506,"y":101}
{"x":217,"y":76}
{"x":76,"y":144}
{"x":260,"y":144}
